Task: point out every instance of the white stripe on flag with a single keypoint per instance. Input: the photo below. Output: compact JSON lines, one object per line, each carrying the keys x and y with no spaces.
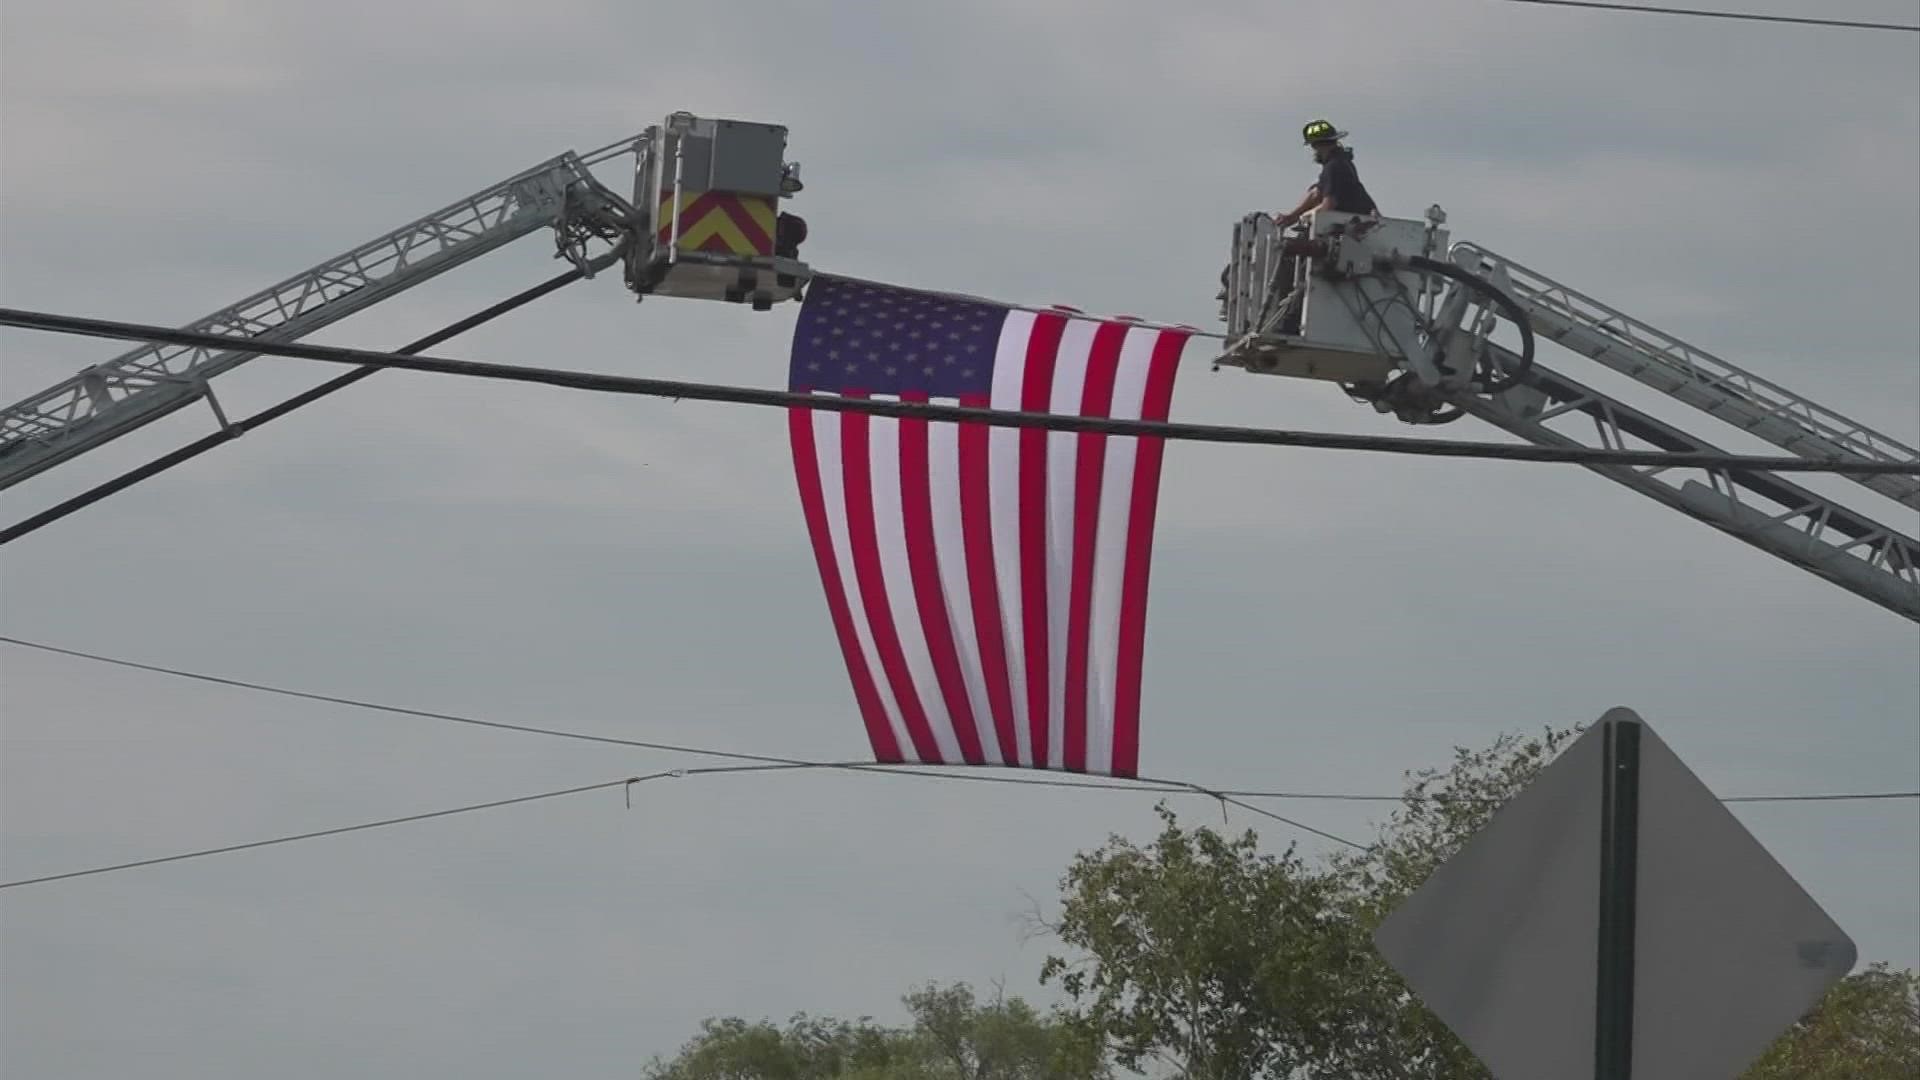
{"x":1069,"y":388}
{"x":1116,"y":504}
{"x":826,"y":441}
{"x":1003,"y":458}
{"x":943,"y":464}
{"x":883,"y":442}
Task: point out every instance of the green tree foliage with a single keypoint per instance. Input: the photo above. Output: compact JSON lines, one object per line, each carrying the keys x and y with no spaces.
{"x":952,"y":1036}
{"x":806,"y":1049}
{"x":1167,"y":972}
{"x":1867,"y":1028}
{"x":959,"y":1038}
{"x":1199,"y":953}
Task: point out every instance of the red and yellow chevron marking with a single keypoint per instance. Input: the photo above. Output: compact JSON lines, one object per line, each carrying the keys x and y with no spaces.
{"x":720,"y":222}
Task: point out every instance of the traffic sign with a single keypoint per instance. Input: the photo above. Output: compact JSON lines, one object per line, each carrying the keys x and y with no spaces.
{"x":1615,"y":921}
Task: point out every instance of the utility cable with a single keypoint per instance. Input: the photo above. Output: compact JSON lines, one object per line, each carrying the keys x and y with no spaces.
{"x":397,"y":710}
{"x":1142,"y":785}
{"x":1845,"y":24}
{"x":381,"y":824}
{"x":234,"y":430}
{"x":1234,"y":798}
{"x":764,"y":761}
{"x":739,"y":395}
{"x":1227,"y":799}
{"x":626,"y":782}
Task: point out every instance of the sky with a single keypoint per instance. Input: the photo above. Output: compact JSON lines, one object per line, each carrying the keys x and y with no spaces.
{"x":1320,"y":621}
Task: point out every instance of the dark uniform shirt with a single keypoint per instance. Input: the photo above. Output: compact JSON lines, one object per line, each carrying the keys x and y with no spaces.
{"x":1340,"y":181}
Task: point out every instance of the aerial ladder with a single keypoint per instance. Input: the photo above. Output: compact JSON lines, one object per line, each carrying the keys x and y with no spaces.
{"x":1406,"y":321}
{"x":1389,"y":308}
{"x":703,"y":222}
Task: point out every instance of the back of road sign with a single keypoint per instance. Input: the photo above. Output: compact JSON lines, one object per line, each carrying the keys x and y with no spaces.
{"x":1503,"y":942}
{"x":1731,"y":950}
{"x":1500,"y":941}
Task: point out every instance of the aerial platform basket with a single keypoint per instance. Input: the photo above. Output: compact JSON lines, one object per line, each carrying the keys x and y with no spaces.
{"x":1309,"y":304}
{"x":710,"y":192}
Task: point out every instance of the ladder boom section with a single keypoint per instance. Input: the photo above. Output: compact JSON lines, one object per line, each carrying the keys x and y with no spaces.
{"x":1761,"y":509}
{"x":110,"y":399}
{"x":1786,"y":419}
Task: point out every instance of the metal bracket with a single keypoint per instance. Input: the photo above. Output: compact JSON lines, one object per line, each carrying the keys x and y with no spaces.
{"x":680,"y":124}
{"x":205,"y":389}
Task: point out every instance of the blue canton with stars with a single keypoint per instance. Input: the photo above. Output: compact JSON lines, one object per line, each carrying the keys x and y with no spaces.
{"x":858,"y":338}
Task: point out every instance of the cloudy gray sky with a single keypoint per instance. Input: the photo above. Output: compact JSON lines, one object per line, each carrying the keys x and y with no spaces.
{"x":639,"y":568}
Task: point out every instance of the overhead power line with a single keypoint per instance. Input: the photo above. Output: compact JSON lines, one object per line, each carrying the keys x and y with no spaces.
{"x":397,"y":710}
{"x":381,"y":824}
{"x":786,"y":399}
{"x":234,"y":430}
{"x":627,"y":782}
{"x":1744,"y":16}
{"x":1144,"y":785}
{"x":760,"y":763}
{"x":1226,"y":797}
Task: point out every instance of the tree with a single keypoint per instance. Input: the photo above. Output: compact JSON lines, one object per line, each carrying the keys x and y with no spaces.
{"x":1167,"y":973}
{"x":959,"y":1038}
{"x":1202,"y":953}
{"x":808,"y":1048}
{"x":952,"y":1036}
{"x":1867,"y":1028}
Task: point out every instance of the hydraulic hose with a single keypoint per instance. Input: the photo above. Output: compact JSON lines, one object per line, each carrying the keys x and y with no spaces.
{"x":1495,"y":384}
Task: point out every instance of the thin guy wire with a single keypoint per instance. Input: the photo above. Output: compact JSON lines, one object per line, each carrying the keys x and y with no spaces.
{"x":628,"y":783}
{"x":1145,"y":785}
{"x":383,"y":823}
{"x":1744,"y":16}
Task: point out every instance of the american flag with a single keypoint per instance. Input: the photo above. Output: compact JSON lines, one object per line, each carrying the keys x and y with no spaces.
{"x":988,"y":584}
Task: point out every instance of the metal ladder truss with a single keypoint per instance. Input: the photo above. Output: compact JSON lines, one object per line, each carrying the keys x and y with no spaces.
{"x":1692,"y":375}
{"x":1759,"y":508}
{"x":110,"y":399}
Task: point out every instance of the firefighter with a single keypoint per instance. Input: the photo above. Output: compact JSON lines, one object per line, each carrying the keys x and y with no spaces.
{"x":1339,"y":187}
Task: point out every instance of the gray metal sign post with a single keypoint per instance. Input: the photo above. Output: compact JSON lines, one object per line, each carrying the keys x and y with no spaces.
{"x":1619,"y":859}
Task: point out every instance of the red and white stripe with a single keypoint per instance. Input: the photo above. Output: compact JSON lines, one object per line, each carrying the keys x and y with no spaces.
{"x":989,"y":585}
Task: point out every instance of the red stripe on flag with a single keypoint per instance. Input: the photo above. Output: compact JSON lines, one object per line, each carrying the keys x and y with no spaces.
{"x":916,"y":502}
{"x":1036,"y":392}
{"x":1096,"y":400}
{"x":983,"y":585}
{"x":856,"y":458}
{"x":813,"y":504}
{"x":1133,"y":596}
